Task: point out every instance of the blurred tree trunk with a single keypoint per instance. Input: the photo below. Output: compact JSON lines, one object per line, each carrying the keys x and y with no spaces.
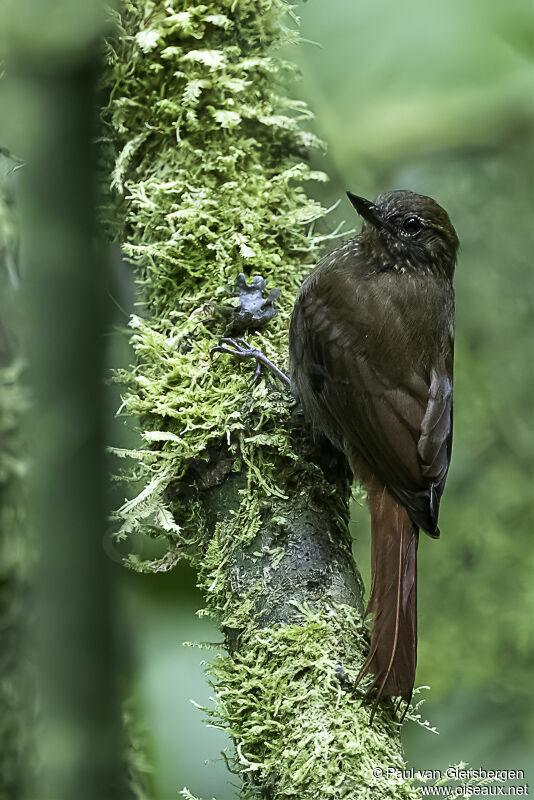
{"x":16,"y":685}
{"x":207,"y":165}
{"x":49,"y":119}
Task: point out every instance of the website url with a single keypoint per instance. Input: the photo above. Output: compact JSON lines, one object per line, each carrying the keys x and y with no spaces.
{"x":475,"y":791}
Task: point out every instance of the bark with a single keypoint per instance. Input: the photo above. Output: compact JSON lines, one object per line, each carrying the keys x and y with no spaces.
{"x":312,"y":530}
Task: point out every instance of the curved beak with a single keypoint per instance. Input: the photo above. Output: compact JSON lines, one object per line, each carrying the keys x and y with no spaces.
{"x":366,"y":209}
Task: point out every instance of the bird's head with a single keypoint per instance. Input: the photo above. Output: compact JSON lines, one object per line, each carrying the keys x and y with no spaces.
{"x":411,"y":229}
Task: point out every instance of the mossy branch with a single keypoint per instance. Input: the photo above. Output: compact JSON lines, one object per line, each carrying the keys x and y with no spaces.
{"x":207,"y":182}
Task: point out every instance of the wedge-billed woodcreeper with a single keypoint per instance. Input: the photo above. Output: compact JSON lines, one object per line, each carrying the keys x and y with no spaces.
{"x":371,"y":360}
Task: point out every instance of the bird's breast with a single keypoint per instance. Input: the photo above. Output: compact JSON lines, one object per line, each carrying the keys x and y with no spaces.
{"x":382,"y":314}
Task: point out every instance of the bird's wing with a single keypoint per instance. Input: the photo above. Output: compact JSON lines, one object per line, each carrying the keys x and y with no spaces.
{"x":401,"y":429}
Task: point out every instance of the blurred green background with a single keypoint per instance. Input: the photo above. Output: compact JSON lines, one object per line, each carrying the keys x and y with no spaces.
{"x":437,"y":98}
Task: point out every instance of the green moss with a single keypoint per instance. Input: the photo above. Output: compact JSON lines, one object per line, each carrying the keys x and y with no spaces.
{"x":206,"y":185}
{"x":299,"y":733}
{"x":207,"y":182}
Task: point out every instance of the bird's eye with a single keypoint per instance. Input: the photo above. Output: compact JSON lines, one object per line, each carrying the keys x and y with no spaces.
{"x":412,"y":225}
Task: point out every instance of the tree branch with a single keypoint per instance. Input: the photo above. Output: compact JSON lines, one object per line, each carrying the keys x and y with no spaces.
{"x":207,"y":184}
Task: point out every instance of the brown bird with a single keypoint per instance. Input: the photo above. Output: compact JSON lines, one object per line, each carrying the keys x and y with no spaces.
{"x":371,"y":354}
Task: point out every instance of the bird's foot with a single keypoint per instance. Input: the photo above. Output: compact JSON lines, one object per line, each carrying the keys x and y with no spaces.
{"x":239,"y":348}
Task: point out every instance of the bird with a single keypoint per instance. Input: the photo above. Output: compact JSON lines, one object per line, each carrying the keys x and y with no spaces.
{"x":371,"y":346}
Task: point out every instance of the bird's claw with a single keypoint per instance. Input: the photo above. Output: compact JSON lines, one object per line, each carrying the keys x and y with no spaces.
{"x":236,"y":347}
{"x":241,"y":349}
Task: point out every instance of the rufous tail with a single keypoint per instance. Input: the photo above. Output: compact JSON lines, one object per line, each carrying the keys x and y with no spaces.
{"x":393,"y":598}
